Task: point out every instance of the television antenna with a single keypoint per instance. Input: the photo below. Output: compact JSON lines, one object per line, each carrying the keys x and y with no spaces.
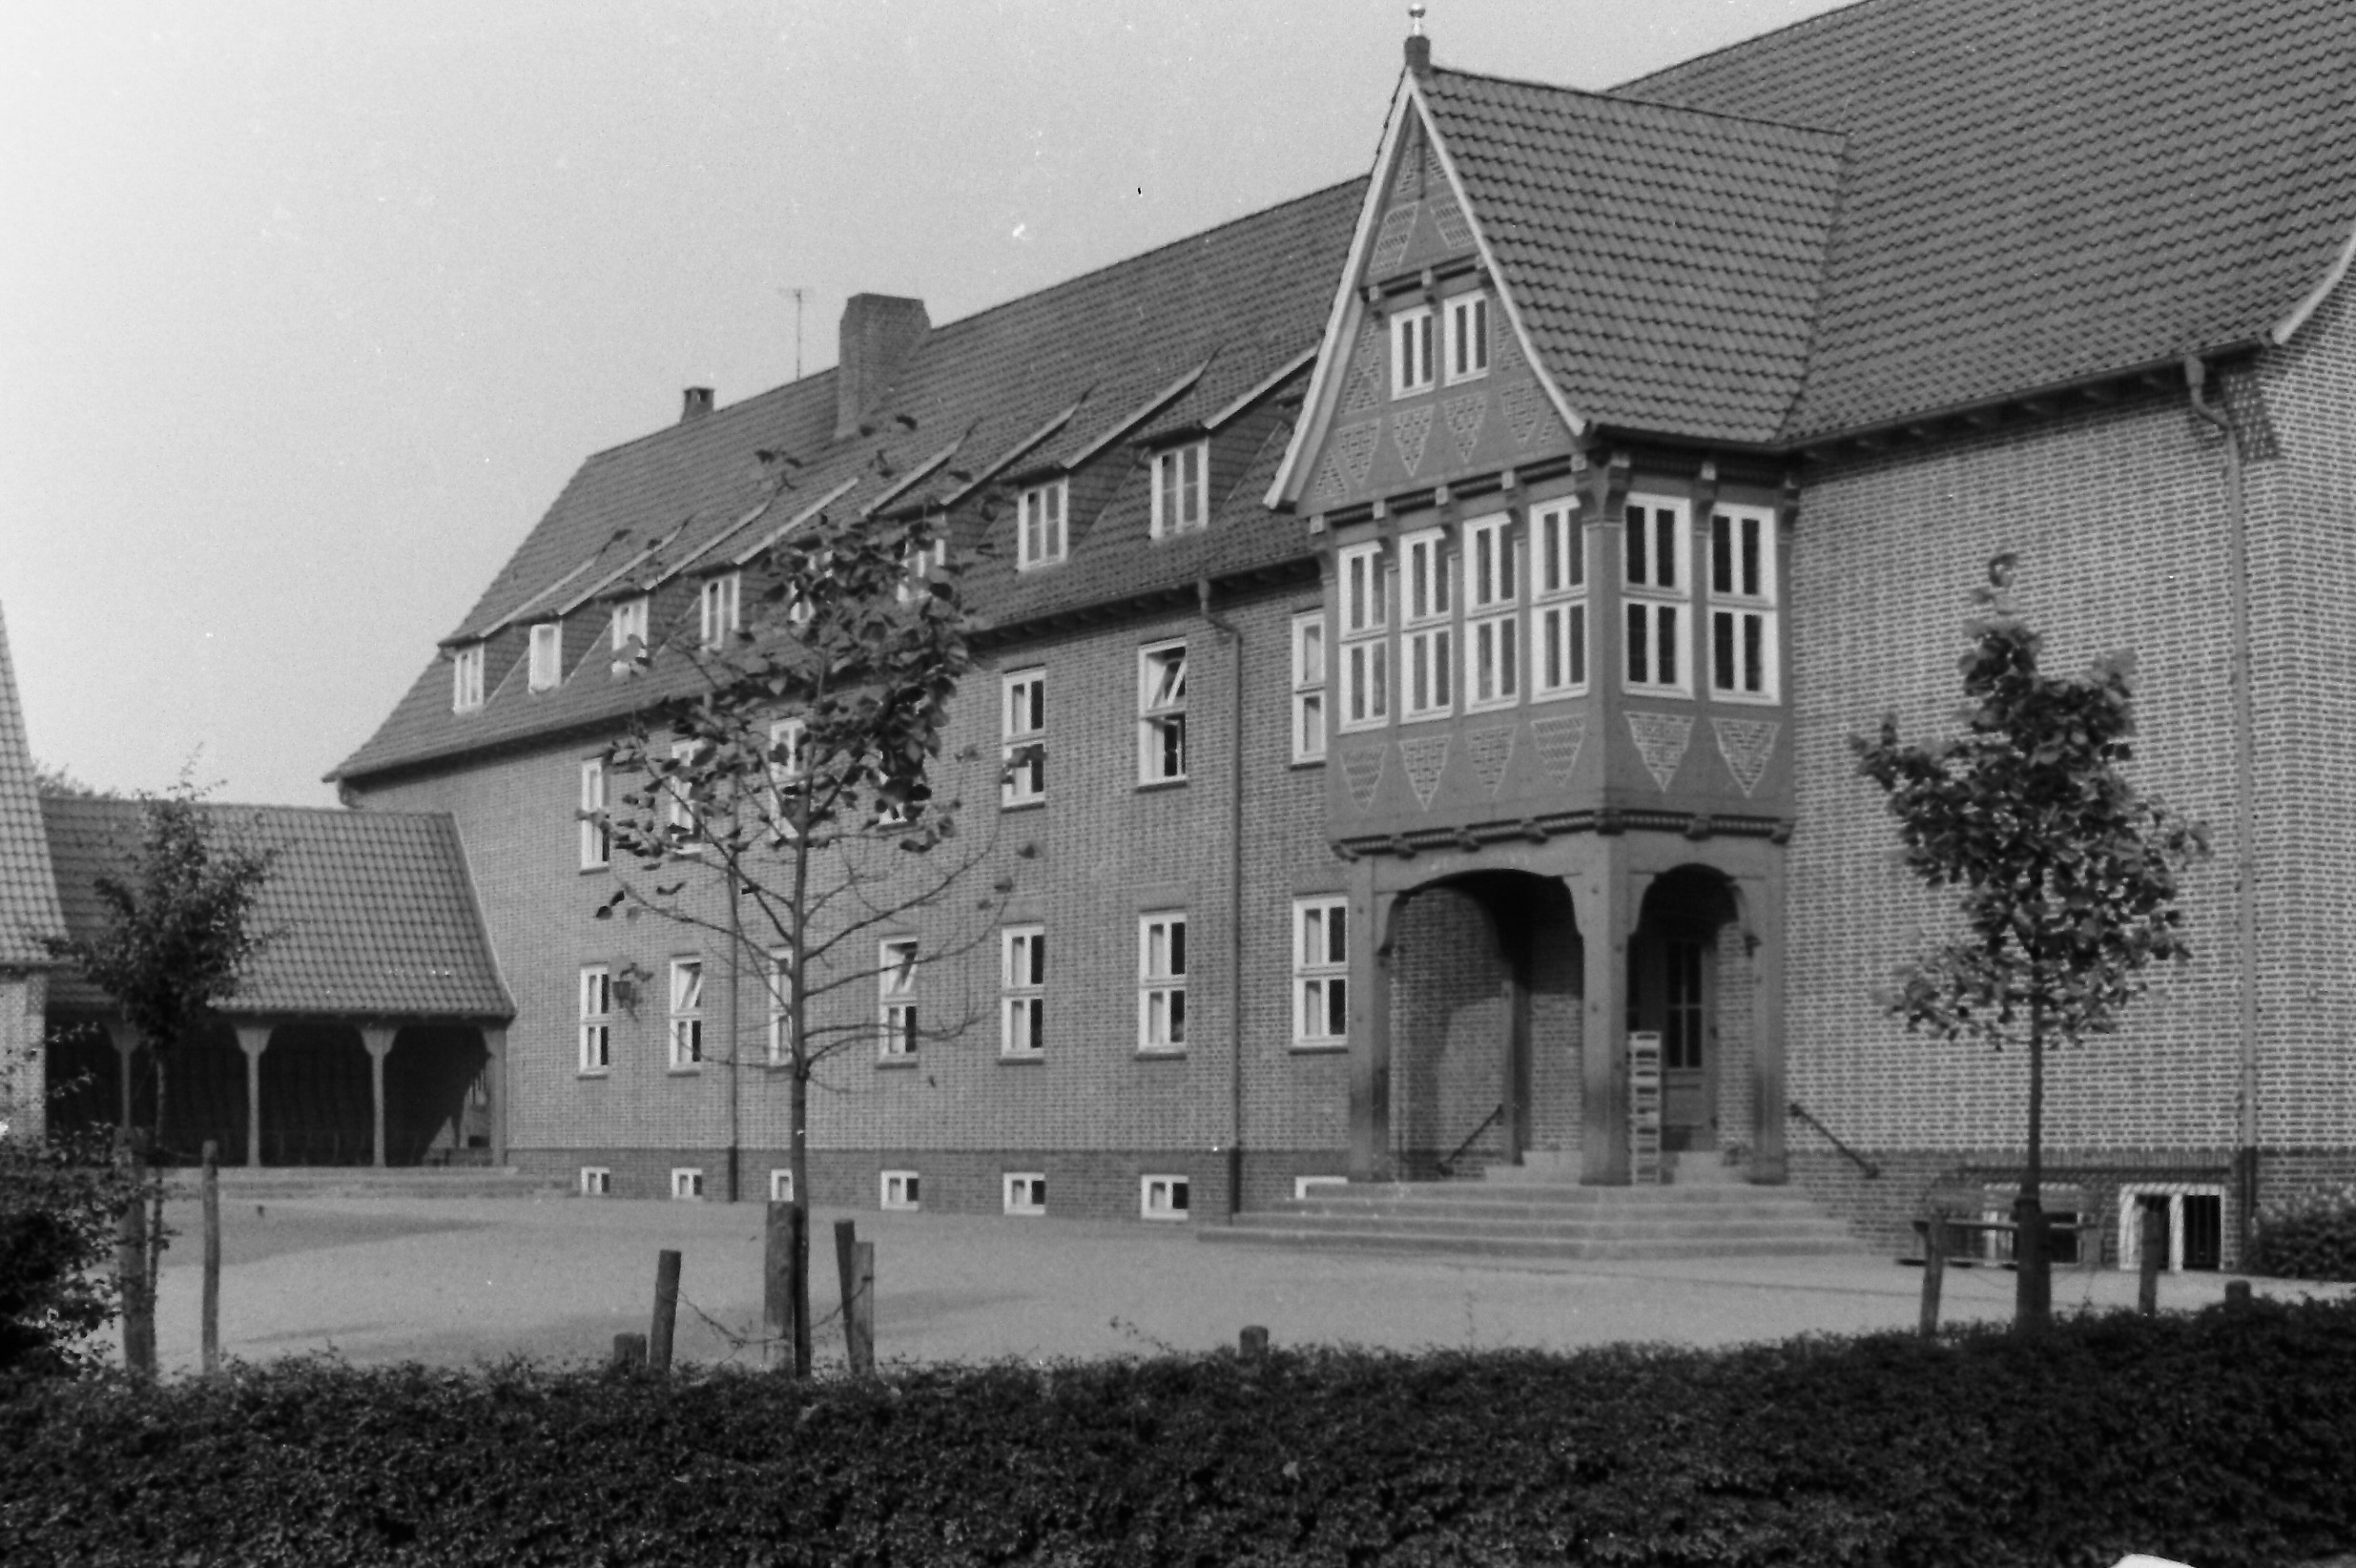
{"x":798,"y":295}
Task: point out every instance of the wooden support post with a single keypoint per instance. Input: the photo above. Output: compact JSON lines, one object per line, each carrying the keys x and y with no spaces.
{"x":2152,"y":1256}
{"x":2237,"y":1295}
{"x":858,"y":1308}
{"x":212,"y":1322}
{"x":846,"y":1249}
{"x":495,"y":1087}
{"x":1253,"y":1344}
{"x":778,"y":1284}
{"x":666,"y":1309}
{"x":1933,"y":1272}
{"x":630,"y":1350}
{"x":253,"y":1039}
{"x":378,"y":1039}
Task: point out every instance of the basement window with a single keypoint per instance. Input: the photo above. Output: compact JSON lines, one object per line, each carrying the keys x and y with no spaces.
{"x":1163,"y":1197}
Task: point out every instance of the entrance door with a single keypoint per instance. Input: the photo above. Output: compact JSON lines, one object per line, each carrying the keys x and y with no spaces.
{"x":1669,"y":991}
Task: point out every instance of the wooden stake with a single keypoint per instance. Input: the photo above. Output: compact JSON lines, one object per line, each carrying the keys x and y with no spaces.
{"x":858,"y":1312}
{"x":666,"y":1309}
{"x":131,"y":1269}
{"x":1253,"y":1344}
{"x":778,"y":1284}
{"x":630,"y":1350}
{"x":2152,"y":1256}
{"x":846,"y":1275}
{"x":212,"y":1257}
{"x":1933,"y":1272}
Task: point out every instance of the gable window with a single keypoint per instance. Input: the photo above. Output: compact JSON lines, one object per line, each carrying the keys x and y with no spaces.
{"x":1468,"y":337}
{"x":896,"y":981}
{"x":1320,"y":971}
{"x":1025,"y":779}
{"x":596,"y":1019}
{"x":628,"y":633}
{"x":1308,"y":687}
{"x":1430,"y":641}
{"x":686,"y":1014}
{"x":1161,"y":982}
{"x":1493,"y":623}
{"x":781,"y":980}
{"x":918,"y":566}
{"x":1022,"y":966}
{"x":1180,"y":479}
{"x":1041,"y":538}
{"x":1162,"y":714}
{"x":546,"y":668}
{"x":1559,"y":583}
{"x":1742,"y":616}
{"x":596,"y":831}
{"x":716,"y":606}
{"x":1365,"y":640}
{"x":466,"y":679}
{"x":1657,"y":583}
{"x":1411,"y":351}
{"x":679,"y":798}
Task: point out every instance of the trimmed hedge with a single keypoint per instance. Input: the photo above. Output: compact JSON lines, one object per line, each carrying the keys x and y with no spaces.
{"x":2313,"y":1237}
{"x":2223,"y":1439}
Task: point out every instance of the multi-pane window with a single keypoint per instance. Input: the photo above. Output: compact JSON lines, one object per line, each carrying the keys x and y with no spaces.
{"x":1026,"y":1192}
{"x":596,"y":1019}
{"x":896,"y":985}
{"x":1657,"y":583}
{"x":1308,"y":687}
{"x":1040,"y":538}
{"x":1181,"y":479}
{"x":1362,"y":592}
{"x":686,"y":1184}
{"x":1428,"y":594}
{"x":1162,"y":712}
{"x":1161,"y":982}
{"x":780,"y":987}
{"x":466,"y":679}
{"x":596,"y":1181}
{"x":630,"y":619}
{"x":920,"y":564}
{"x":1163,"y":1197}
{"x":1558,"y":584}
{"x":1492,"y":618}
{"x":546,"y":665}
{"x":596,"y":829}
{"x":716,"y":605}
{"x":679,"y":796}
{"x":1023,"y":976}
{"x":787,"y":767}
{"x":1468,"y":337}
{"x":1320,"y":970}
{"x":898,"y":1189}
{"x":686,"y":1014}
{"x":1741,"y":594}
{"x":1411,"y":351}
{"x":1026,"y":729}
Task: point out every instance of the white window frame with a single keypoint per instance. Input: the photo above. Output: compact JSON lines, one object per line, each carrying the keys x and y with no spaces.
{"x":687,"y":1015}
{"x":1427,"y":621}
{"x":1493,"y":651}
{"x":788,"y":764}
{"x":1412,"y":362}
{"x":718,"y":604}
{"x":1362,"y":587}
{"x":686,"y":1184}
{"x":632,"y":619}
{"x":780,"y":1184}
{"x":544,"y":664}
{"x":778,"y":984}
{"x":1023,"y":716}
{"x":595,"y":995}
{"x":1042,"y":524}
{"x":1164,"y":1197}
{"x":1309,"y":662}
{"x":466,"y":679}
{"x":899,"y":1190}
{"x":1467,"y":336}
{"x":1162,"y":961}
{"x":897,"y":961}
{"x":596,"y":828}
{"x":1023,"y":991}
{"x":917,"y":568}
{"x":1559,"y":616}
{"x":679,"y":803}
{"x":1320,"y":980}
{"x":1024,"y":1192}
{"x":1162,"y":714}
{"x":1742,"y":613}
{"x":596,"y":1181}
{"x":1657,"y":600}
{"x":2131,"y":1220}
{"x":1182,"y":489}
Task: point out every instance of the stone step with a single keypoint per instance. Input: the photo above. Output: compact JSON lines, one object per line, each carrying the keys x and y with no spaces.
{"x":1565,"y":1249}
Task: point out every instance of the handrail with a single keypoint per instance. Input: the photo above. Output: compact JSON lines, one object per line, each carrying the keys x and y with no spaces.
{"x":1447,"y":1166}
{"x":1870,"y":1169}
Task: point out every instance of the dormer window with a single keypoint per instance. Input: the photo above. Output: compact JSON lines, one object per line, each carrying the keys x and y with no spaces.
{"x":921,"y":564}
{"x":547,"y":655}
{"x":630,"y":618}
{"x":466,"y":679}
{"x":1468,"y":337}
{"x":1411,"y":351}
{"x":1180,"y":481}
{"x":718,"y":604}
{"x":1041,"y":536}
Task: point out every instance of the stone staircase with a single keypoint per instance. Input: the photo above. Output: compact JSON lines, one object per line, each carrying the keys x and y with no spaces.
{"x":1541,"y":1215}
{"x":273,"y":1183}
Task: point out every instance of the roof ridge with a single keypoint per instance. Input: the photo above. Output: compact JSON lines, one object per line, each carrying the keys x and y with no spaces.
{"x":105,"y":802}
{"x":1755,"y":38}
{"x":1614,"y":96}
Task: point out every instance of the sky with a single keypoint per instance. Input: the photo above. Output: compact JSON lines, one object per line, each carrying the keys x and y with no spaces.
{"x":308,"y":308}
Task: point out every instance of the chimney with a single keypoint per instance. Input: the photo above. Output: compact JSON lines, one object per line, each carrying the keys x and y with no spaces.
{"x":879,"y":333}
{"x":697,"y":404}
{"x":1418,"y":47}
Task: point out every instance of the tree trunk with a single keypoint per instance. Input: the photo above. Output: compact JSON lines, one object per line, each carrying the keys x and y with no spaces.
{"x":2033,"y":1298}
{"x":155,"y":1209}
{"x":800,"y":1163}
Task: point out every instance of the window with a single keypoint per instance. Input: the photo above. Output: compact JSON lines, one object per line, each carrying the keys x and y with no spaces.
{"x":921,"y":564}
{"x":1428,"y":595}
{"x":1742,"y":616}
{"x":596,"y":1181}
{"x":546,"y":668}
{"x":1040,"y":539}
{"x":1654,"y":548}
{"x":1558,"y":582}
{"x":630,"y":617}
{"x":780,"y":1007}
{"x":1161,"y":982}
{"x":780,"y":1184}
{"x":788,"y":762}
{"x":1492,"y":623}
{"x":596,"y":831}
{"x":1026,"y":780}
{"x":1022,"y":975}
{"x":898,"y":1189}
{"x":686,"y":1184}
{"x":1305,"y":1188}
{"x":466,"y":679}
{"x":1411,"y":351}
{"x":1162,"y":1197}
{"x":686,"y":1014}
{"x":1162,"y":712}
{"x":1026,"y":1192}
{"x":1320,"y":971}
{"x":1362,"y":592}
{"x":895,"y":980}
{"x":596,"y":1019}
{"x":2196,"y":1223}
{"x":1180,"y":477}
{"x":1468,"y":337}
{"x":1309,"y":687}
{"x":716,"y":606}
{"x":679,"y":803}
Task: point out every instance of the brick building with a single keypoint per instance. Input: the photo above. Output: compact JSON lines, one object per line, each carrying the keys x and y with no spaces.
{"x":1443,"y":601}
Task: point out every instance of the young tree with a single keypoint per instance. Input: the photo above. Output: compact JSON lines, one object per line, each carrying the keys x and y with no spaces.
{"x":796,"y":776}
{"x":62,"y":1197}
{"x":2066,"y":876}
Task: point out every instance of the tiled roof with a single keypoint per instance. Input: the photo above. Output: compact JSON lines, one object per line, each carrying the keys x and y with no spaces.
{"x":375,"y":913}
{"x":28,"y":890}
{"x":1239,"y":300}
{"x":2042,"y":193}
{"x":1666,"y":261}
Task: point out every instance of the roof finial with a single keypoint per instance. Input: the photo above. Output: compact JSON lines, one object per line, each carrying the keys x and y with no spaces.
{"x":1418,"y":47}
{"x":1415,"y":19}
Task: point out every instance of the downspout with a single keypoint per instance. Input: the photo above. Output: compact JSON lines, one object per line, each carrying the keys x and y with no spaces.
{"x":2244,"y":790}
{"x":1234,"y":640}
